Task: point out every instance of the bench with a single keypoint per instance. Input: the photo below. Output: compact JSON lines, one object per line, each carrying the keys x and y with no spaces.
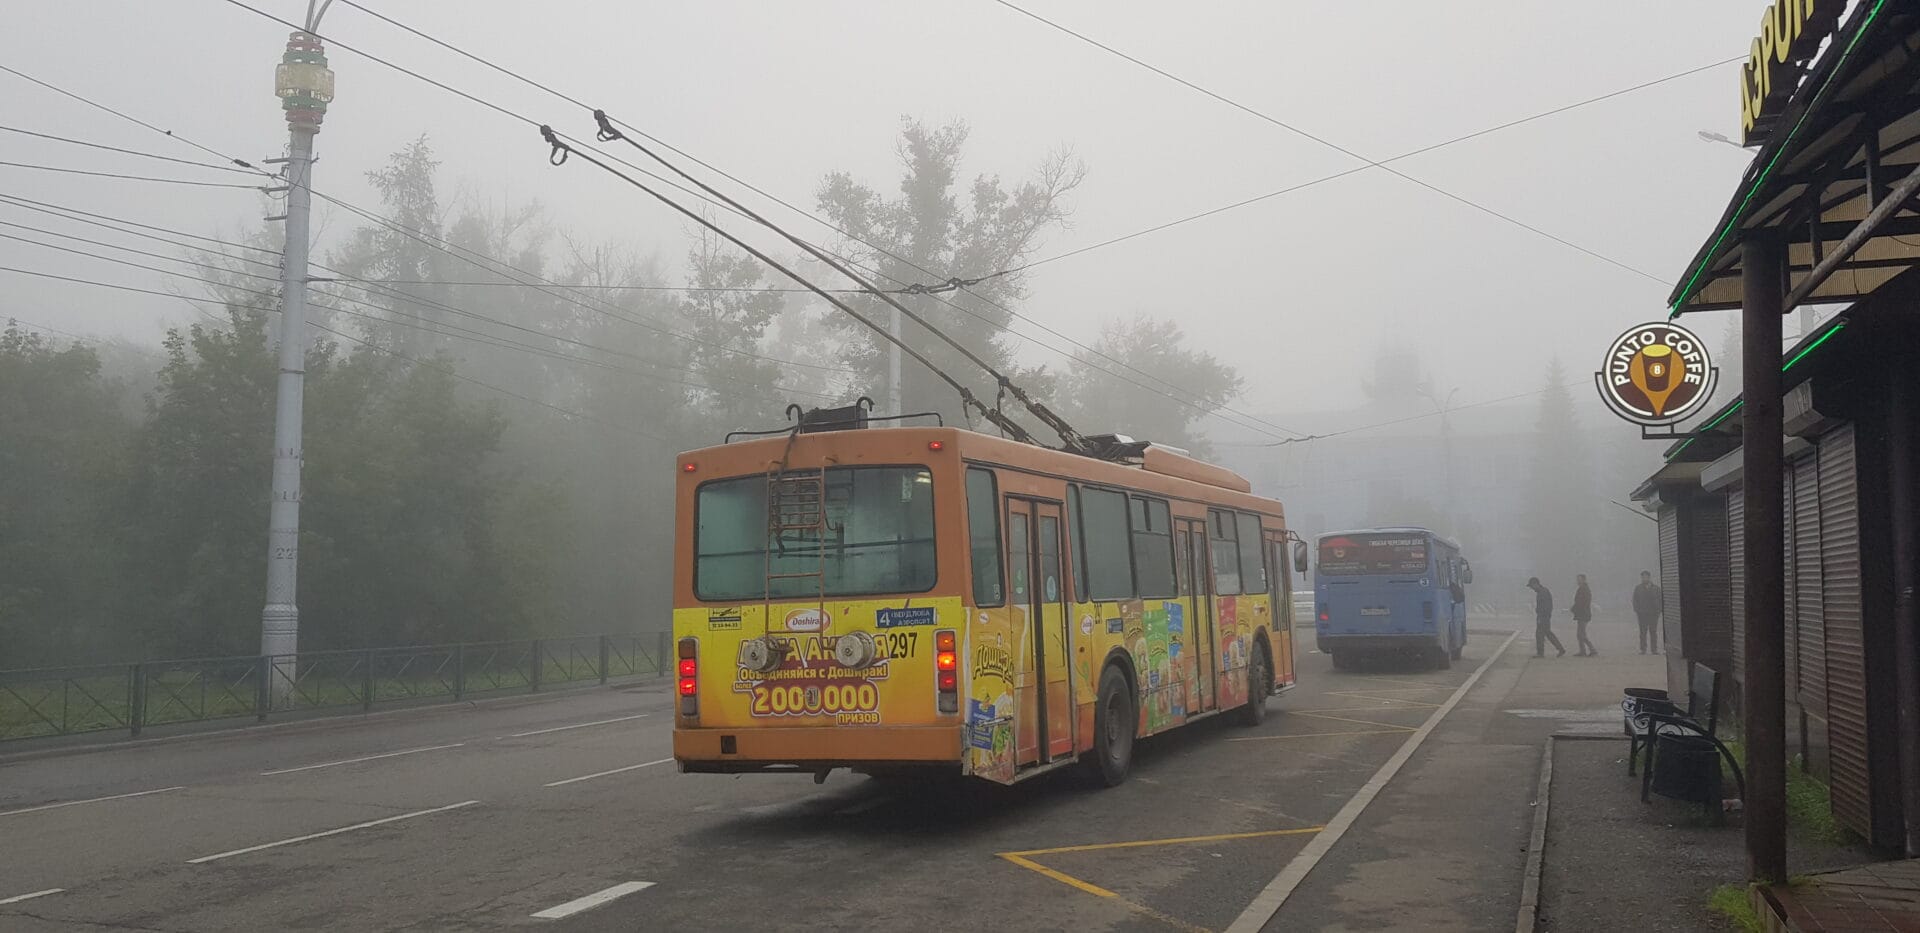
{"x":1700,"y":721}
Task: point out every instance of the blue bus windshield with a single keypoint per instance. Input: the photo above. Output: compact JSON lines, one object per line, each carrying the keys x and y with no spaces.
{"x":1356,"y":555}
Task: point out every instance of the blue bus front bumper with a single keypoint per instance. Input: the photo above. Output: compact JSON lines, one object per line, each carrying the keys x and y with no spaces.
{"x":1370,"y":643}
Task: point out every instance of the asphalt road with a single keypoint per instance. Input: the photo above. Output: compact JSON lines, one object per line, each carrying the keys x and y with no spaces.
{"x":489,"y":816}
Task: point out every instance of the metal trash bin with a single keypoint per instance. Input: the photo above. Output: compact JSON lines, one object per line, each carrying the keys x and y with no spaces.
{"x":1686,"y":767}
{"x":1636,"y":702}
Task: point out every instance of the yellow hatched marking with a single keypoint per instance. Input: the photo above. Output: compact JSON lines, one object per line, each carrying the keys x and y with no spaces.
{"x":1021,"y":859}
{"x":1357,"y":722}
{"x":1316,"y":735}
{"x":1418,"y":708}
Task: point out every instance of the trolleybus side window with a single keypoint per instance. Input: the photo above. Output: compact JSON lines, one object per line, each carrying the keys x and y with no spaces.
{"x":1224,"y":540}
{"x":1109,"y":560}
{"x":983,"y":533}
{"x":1253,"y":568}
{"x":877,"y":538}
{"x":1153,"y":548}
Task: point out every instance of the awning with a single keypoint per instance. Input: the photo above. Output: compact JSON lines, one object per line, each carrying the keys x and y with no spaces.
{"x":1837,"y":180}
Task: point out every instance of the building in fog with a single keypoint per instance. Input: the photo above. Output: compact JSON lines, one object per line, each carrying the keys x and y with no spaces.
{"x":1395,"y":458}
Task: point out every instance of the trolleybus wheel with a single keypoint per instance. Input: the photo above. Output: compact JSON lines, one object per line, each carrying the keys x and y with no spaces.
{"x":1442,"y":658}
{"x":1341,"y":660}
{"x":1114,"y":721}
{"x":1259,"y":685}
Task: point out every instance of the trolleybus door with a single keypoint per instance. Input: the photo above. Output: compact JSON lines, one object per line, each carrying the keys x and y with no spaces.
{"x":1196,"y":585}
{"x":1034,"y":548}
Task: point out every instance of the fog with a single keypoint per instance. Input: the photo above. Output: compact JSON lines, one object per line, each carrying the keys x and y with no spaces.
{"x":1274,"y":316}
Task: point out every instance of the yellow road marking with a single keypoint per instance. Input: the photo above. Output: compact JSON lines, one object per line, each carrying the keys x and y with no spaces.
{"x":1410,"y":688}
{"x":1021,"y":859}
{"x":1178,"y":840}
{"x":1361,"y":722}
{"x":1317,"y":735}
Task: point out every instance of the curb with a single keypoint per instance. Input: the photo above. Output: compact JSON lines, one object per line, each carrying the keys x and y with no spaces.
{"x":1528,"y":919}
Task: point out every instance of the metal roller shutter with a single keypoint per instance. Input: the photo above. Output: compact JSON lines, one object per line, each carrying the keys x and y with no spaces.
{"x":1737,"y":578}
{"x":1708,"y":629}
{"x":1670,"y":577}
{"x":1809,"y":675}
{"x":1845,"y":638}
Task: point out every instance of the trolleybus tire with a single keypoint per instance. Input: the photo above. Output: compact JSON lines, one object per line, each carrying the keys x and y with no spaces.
{"x":1442,"y":658}
{"x":1114,"y":722}
{"x":1341,"y":661}
{"x":1259,"y":687}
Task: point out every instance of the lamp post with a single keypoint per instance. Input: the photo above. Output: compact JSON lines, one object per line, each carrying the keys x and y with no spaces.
{"x":1442,"y":406}
{"x":305,"y":87}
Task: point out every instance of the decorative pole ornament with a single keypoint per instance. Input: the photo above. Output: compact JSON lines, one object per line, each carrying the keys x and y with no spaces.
{"x":1656,"y":375}
{"x":303,"y":82}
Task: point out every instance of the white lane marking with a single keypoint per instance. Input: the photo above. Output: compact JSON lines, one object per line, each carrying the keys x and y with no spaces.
{"x":593,"y":900}
{"x":1267,"y":905}
{"x":75,"y":803}
{"x":577,"y":725}
{"x":355,"y":761}
{"x":27,"y":897}
{"x":599,"y":774}
{"x":331,"y":832}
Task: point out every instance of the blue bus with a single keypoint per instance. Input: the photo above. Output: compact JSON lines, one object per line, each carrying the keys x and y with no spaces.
{"x":1390,"y":590}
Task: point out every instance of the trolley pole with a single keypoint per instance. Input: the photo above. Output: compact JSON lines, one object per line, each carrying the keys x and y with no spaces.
{"x":305,"y":86}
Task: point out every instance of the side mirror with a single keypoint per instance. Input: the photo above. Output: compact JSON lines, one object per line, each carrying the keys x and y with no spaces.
{"x":1466,"y":572}
{"x":1300,"y":557}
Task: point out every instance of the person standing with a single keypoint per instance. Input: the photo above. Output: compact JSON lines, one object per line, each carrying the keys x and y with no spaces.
{"x":1647,"y":600}
{"x":1582,"y":614}
{"x":1543,"y":620}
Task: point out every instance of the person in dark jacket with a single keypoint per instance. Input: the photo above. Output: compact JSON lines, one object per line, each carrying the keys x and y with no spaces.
{"x":1543,"y":620}
{"x":1647,"y":600}
{"x":1582,"y":614}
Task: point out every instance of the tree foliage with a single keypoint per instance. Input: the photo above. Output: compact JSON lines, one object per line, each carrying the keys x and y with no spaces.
{"x":936,"y":226}
{"x":1152,"y":355}
{"x":1561,"y":499}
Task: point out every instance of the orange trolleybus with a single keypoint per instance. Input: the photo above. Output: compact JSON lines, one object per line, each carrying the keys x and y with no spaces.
{"x":903,"y":598}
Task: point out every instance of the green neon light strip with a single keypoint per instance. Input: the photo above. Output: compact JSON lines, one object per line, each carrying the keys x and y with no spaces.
{"x":1740,"y":403}
{"x":1687,"y":291}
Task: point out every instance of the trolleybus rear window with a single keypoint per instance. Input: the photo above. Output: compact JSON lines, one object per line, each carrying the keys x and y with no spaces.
{"x":877,"y":536}
{"x":1350,"y":555}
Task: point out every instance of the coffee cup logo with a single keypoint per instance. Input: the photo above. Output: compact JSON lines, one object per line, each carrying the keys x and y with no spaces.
{"x":1656,"y":375}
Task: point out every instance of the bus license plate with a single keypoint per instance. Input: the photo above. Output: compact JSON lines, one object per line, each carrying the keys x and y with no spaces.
{"x":1375,"y":611}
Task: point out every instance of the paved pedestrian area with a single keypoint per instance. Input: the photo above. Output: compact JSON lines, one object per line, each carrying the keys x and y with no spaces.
{"x":1868,"y":899}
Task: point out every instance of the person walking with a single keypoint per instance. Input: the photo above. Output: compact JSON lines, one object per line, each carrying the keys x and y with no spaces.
{"x":1582,"y":614}
{"x":1543,"y":620}
{"x":1647,"y":600}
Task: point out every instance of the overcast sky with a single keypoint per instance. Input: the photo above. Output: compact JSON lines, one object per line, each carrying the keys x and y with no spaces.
{"x":1298,"y":291}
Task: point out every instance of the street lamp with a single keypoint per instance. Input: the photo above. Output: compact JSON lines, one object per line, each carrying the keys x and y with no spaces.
{"x":1719,"y":138}
{"x":304,"y":85}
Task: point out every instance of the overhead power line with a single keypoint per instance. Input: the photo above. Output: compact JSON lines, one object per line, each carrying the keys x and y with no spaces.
{"x":1276,"y":121}
{"x":949,"y":280}
{"x":440,"y":328}
{"x":484,"y":262}
{"x":131,"y":152}
{"x":1156,"y":228}
{"x":149,"y":178}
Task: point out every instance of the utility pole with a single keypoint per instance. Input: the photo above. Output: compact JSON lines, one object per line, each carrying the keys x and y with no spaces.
{"x":894,"y":405}
{"x":305,"y":86}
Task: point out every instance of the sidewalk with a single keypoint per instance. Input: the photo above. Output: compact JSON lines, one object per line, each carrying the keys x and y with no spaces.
{"x":1612,"y":862}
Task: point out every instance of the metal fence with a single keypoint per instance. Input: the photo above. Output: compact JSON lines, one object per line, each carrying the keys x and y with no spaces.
{"x":59,"y":701}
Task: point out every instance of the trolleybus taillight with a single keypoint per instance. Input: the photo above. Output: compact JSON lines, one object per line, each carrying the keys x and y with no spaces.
{"x":946,"y":670}
{"x":689,"y":670}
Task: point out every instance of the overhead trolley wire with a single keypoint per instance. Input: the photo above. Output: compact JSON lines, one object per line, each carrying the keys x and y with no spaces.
{"x":1329,"y":143}
{"x":561,"y":150}
{"x":950,"y":283}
